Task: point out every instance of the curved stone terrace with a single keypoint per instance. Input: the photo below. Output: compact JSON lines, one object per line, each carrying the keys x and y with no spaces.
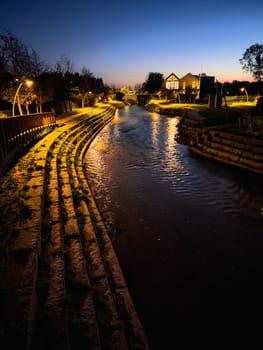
{"x":61,"y":284}
{"x":230,"y":135}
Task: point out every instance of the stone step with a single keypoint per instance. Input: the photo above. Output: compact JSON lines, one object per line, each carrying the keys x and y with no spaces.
{"x":63,"y":285}
{"x":242,"y":152}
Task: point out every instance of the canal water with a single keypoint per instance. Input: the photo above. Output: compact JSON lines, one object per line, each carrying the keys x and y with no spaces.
{"x":188,"y":232}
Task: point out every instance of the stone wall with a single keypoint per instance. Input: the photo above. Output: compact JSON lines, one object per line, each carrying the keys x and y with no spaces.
{"x":235,"y":150}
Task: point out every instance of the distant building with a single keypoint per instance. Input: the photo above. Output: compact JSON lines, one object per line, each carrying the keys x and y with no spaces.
{"x":192,"y":87}
{"x":172,"y":82}
{"x":190,"y":81}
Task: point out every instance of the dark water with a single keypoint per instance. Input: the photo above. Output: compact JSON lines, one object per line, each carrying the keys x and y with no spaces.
{"x":188,"y":232}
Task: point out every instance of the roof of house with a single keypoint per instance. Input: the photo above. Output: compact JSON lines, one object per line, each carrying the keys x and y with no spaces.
{"x":190,"y":75}
{"x":172,"y":76}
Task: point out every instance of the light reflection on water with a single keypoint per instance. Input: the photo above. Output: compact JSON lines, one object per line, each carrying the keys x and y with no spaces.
{"x":188,"y":231}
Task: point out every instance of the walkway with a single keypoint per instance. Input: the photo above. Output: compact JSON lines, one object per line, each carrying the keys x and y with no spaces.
{"x":61,"y":283}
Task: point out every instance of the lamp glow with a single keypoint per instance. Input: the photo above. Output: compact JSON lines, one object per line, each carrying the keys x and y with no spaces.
{"x":28,"y":83}
{"x":244,"y":90}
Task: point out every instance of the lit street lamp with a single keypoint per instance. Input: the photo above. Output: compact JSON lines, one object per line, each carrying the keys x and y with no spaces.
{"x":28,"y":83}
{"x":244,"y":90}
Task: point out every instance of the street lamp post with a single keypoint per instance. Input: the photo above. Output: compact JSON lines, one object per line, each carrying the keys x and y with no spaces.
{"x":28,"y":83}
{"x":245,"y":90}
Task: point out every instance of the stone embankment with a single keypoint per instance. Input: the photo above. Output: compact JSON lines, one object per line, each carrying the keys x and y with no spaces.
{"x":209,"y":141}
{"x":61,"y":284}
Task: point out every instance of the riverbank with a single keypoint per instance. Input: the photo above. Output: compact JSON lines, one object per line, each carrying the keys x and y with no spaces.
{"x":231,"y":144}
{"x":61,"y":284}
{"x":233,"y":136}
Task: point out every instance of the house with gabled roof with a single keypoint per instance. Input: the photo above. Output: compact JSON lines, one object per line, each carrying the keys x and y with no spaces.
{"x":190,"y":81}
{"x":172,"y":82}
{"x":191,"y":87}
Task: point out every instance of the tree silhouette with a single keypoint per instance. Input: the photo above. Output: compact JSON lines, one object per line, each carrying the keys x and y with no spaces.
{"x":17,"y":63}
{"x":252,"y":61}
{"x":153,"y":83}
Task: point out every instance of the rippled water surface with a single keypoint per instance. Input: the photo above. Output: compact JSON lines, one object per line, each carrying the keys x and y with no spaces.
{"x":188,"y":232}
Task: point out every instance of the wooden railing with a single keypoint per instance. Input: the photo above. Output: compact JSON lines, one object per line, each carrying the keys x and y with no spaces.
{"x":17,"y":132}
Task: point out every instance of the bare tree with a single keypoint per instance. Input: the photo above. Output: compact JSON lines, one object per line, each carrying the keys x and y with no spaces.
{"x":64,"y":65}
{"x":19,"y":62}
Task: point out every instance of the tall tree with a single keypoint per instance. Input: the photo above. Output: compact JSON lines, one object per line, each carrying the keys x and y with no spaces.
{"x":44,"y":89}
{"x":64,"y":84}
{"x":252,"y":61}
{"x":18,"y":62}
{"x":64,"y":65}
{"x":5,"y":76}
{"x":153,"y":83}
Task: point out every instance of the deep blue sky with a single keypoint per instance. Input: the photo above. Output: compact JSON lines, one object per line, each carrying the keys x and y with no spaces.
{"x":123,"y":41}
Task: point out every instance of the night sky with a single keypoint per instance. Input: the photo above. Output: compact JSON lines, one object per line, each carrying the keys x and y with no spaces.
{"x":123,"y":41}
